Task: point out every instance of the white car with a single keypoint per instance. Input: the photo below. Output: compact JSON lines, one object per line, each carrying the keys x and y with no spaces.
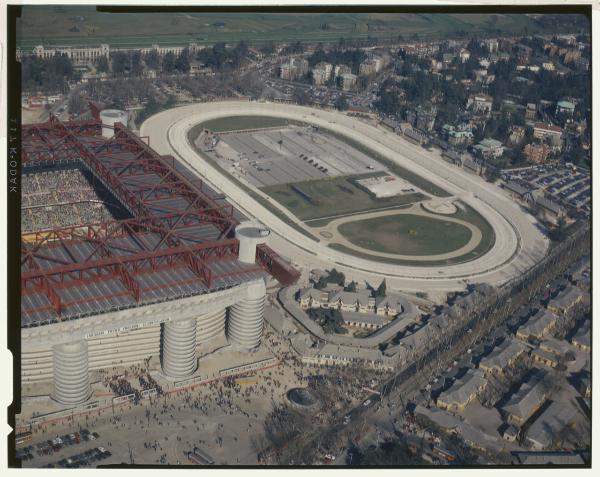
{"x":367,"y":402}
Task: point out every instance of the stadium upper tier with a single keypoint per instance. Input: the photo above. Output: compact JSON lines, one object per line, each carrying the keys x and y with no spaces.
{"x":175,"y":239}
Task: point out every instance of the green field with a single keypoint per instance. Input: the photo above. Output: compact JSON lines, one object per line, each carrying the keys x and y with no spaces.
{"x":332,"y":197}
{"x":235,"y":123}
{"x":465,"y":213}
{"x":82,"y":25}
{"x":407,"y":234}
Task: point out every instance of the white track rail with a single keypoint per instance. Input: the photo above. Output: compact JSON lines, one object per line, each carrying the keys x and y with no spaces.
{"x":518,"y":246}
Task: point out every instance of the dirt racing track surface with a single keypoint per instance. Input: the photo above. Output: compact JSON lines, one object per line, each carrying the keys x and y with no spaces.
{"x":519,"y":244}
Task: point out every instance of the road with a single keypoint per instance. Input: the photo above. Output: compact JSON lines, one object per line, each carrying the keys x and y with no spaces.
{"x":519,"y":244}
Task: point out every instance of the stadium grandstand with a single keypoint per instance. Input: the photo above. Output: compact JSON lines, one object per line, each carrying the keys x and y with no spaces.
{"x":108,"y":226}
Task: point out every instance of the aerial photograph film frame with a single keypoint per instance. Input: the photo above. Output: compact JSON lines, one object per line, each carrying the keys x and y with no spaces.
{"x":225,"y":212}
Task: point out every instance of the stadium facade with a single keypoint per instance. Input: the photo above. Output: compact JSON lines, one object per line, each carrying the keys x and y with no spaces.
{"x":174,"y":267}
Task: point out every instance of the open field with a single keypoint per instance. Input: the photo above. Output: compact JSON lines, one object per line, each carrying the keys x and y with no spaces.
{"x":406,"y":234}
{"x":466,"y":213}
{"x":241,"y":122}
{"x":83,"y":25}
{"x":332,"y":197}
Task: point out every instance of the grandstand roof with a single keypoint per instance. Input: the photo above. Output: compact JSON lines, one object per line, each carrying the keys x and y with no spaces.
{"x":177,"y":242}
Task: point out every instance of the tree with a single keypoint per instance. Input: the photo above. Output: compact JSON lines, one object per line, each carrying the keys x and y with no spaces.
{"x":381,"y":289}
{"x":76,"y":104}
{"x":152,"y":60}
{"x":120,"y":62}
{"x":341,"y":103}
{"x":351,"y":287}
{"x":102,"y":65}
{"x":301,"y":96}
{"x":182,"y":63}
{"x":168,"y":63}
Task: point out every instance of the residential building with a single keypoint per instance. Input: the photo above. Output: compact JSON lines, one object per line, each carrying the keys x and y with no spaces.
{"x":503,"y":357}
{"x":523,"y":54}
{"x":549,"y":66}
{"x":536,"y":153}
{"x":531,"y":111}
{"x":566,"y":300}
{"x":489,"y":149}
{"x":464,"y":55}
{"x":425,"y":117}
{"x":463,"y":391}
{"x":319,"y":76}
{"x":527,"y":400}
{"x":480,"y":103}
{"x":565,"y":107}
{"x":546,"y":428}
{"x":348,"y":81}
{"x":286,"y":71}
{"x":517,"y":134}
{"x":546,"y":358}
{"x":339,"y":70}
{"x":582,"y":339}
{"x":327,"y":67}
{"x":538,"y":326}
{"x":549,"y":132}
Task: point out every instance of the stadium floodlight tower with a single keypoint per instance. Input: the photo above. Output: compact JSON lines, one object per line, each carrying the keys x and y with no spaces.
{"x":245,"y":323}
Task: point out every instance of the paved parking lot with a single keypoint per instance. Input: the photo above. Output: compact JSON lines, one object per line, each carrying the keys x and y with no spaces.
{"x":291,"y":154}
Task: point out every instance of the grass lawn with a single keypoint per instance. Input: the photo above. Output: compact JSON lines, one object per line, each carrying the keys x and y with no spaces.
{"x":407,"y":234}
{"x":331,"y":197}
{"x":54,"y":24}
{"x":468,"y":214}
{"x":234,"y":123}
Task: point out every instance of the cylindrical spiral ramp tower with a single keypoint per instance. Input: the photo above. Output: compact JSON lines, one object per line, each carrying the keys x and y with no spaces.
{"x":178,"y":350}
{"x":109,"y":117}
{"x":210,"y":326}
{"x":245,"y":323}
{"x":250,"y":234}
{"x":71,"y":375}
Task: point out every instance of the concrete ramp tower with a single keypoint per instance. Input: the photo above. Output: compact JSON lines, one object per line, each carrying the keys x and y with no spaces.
{"x":245,"y":323}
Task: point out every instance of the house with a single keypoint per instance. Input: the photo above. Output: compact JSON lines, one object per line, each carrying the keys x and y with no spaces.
{"x":539,"y":325}
{"x":564,"y":302}
{"x":565,"y":107}
{"x":453,"y":157}
{"x":362,"y":320}
{"x":414,"y":136}
{"x":389,"y":305}
{"x":463,"y":391}
{"x":502,"y":357}
{"x":517,"y":134}
{"x":312,"y":298}
{"x":582,"y":339}
{"x":548,"y":132}
{"x":583,"y":383}
{"x":545,"y":357}
{"x":480,"y":103}
{"x":536,"y":153}
{"x":489,"y":148}
{"x":530,"y":111}
{"x":548,"y":425}
{"x":511,"y":433}
{"x":526,"y":401}
{"x":548,"y":66}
